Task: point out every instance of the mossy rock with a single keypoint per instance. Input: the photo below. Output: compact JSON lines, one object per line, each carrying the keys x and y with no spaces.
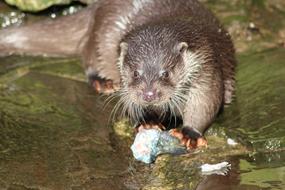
{"x":38,"y":5}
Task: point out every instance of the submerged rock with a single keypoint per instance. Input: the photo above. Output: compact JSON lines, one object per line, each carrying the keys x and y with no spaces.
{"x":52,"y":136}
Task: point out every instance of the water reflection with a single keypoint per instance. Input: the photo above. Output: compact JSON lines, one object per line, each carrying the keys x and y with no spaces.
{"x":259,"y":171}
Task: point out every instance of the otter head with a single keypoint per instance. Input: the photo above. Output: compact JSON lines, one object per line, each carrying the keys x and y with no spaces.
{"x":153,"y":70}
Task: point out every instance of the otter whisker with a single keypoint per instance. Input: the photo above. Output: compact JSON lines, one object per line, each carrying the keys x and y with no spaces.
{"x":164,"y":111}
{"x":172,"y":112}
{"x":140,"y":113}
{"x":176,"y":105}
{"x":110,"y":98}
{"x":118,"y":105}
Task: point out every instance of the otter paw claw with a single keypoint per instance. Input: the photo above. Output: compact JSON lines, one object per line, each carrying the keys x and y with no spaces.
{"x":188,"y":142}
{"x":201,"y":142}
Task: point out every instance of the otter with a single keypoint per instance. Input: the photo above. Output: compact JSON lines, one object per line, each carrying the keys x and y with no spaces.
{"x":165,"y":58}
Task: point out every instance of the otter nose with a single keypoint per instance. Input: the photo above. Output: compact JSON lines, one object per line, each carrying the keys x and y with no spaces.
{"x":149,"y":95}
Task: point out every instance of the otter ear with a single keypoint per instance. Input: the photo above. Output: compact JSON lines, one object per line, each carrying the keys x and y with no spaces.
{"x":182,"y":47}
{"x":123,"y":52}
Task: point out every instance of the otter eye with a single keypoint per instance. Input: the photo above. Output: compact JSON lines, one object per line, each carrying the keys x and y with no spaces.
{"x":136,"y":74}
{"x":165,"y":74}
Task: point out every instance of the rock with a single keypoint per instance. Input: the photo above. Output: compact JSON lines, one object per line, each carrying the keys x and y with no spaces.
{"x":38,"y":5}
{"x":149,"y":143}
{"x":52,"y":136}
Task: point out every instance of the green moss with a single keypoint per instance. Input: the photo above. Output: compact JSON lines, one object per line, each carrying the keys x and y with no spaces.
{"x":36,"y":5}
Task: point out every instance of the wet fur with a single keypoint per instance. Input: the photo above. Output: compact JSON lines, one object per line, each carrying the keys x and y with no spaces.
{"x":95,"y":34}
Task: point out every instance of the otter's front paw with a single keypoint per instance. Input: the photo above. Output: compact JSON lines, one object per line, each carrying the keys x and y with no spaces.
{"x":189,"y":137}
{"x":104,"y":86}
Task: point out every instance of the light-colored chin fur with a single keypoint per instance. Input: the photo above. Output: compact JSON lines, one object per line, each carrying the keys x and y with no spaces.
{"x":130,"y":106}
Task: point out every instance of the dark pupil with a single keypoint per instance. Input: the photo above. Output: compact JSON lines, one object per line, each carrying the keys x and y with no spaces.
{"x":165,"y":74}
{"x":136,"y":74}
